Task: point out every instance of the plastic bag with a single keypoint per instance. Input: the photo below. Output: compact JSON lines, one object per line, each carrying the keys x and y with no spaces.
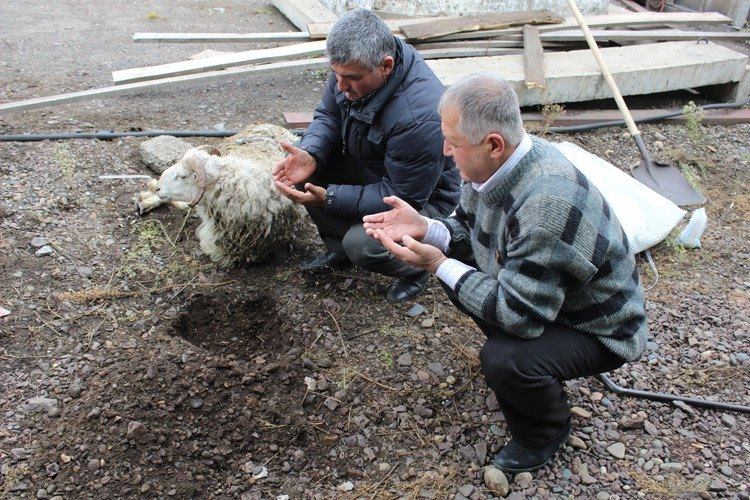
{"x":690,"y":237}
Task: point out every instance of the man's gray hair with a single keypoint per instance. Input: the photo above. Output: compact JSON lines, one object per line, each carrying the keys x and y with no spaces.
{"x":359,"y":36}
{"x":486,"y":103}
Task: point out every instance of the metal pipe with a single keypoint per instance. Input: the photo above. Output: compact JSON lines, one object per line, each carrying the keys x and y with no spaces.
{"x":109,"y":134}
{"x":668,"y":398}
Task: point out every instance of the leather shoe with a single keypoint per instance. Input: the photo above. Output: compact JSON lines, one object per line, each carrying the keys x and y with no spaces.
{"x":515,"y":458}
{"x":327,"y":260}
{"x":405,"y":288}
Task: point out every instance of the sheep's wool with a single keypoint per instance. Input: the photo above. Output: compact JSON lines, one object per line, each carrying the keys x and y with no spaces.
{"x":244,"y":218}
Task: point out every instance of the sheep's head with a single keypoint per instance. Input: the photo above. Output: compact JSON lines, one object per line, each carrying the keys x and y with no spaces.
{"x":186,"y":180}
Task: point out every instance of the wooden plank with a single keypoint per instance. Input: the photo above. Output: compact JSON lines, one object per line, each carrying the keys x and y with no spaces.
{"x":309,"y":49}
{"x":463,"y":44}
{"x":303,"y":12}
{"x":533,"y":59}
{"x":115,"y":90}
{"x":638,"y":69}
{"x":463,"y":24}
{"x":286,"y":36}
{"x":606,"y":21}
{"x":460,"y":52}
{"x":320,"y":30}
{"x":644,"y":35}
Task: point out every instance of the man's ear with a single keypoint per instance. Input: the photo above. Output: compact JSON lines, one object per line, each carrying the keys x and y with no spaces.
{"x":497,"y":145}
{"x":388,"y":64}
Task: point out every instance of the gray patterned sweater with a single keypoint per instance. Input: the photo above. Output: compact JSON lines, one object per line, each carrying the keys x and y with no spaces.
{"x":548,"y":249}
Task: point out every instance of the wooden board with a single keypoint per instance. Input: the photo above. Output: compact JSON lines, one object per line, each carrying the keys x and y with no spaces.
{"x":606,"y":21}
{"x":533,"y":59}
{"x":303,"y":12}
{"x":644,"y":35}
{"x":320,"y":30}
{"x":309,"y":49}
{"x":115,"y":90}
{"x":286,"y":36}
{"x":463,"y":24}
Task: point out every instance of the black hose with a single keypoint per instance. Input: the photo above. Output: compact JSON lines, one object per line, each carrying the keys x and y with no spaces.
{"x":667,"y":398}
{"x":654,"y":118}
{"x":109,"y":134}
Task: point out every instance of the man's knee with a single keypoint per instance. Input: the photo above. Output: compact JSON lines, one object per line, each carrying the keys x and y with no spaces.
{"x":500,"y":367}
{"x":363,"y":250}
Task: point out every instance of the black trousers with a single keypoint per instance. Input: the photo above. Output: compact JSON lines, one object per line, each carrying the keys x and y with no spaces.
{"x":527,"y":375}
{"x":349,"y":236}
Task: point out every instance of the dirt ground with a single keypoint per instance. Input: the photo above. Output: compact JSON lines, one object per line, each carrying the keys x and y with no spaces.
{"x":131,"y":367}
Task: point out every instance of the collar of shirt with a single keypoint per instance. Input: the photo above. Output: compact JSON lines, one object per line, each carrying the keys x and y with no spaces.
{"x":523,"y":148}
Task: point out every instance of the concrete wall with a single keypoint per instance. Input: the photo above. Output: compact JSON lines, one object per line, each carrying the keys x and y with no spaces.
{"x":467,"y":7}
{"x":737,"y":10}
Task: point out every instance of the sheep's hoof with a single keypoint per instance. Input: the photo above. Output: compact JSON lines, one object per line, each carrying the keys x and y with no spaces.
{"x":140,"y":208}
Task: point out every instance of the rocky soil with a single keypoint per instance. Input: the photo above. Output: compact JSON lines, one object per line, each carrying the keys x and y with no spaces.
{"x":130,"y":367}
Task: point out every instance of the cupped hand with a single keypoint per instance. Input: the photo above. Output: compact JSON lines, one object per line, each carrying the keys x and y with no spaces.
{"x":313,"y":195}
{"x":296,"y":167}
{"x":401,"y":220}
{"x":411,"y":251}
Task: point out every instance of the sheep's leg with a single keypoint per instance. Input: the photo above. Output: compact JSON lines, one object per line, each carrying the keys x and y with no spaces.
{"x":147,"y":201}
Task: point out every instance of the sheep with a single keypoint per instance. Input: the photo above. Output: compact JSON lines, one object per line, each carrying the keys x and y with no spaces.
{"x":244,"y":218}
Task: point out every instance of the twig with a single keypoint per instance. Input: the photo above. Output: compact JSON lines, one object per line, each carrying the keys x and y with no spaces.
{"x":45,"y":323}
{"x":363,"y":333}
{"x":182,"y":226}
{"x":360,"y":374}
{"x":338,"y":329}
{"x":377,"y":485}
{"x":183,"y":287}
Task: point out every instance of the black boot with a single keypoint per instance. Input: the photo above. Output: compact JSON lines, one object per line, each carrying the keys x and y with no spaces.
{"x":406,"y":288}
{"x":515,"y":458}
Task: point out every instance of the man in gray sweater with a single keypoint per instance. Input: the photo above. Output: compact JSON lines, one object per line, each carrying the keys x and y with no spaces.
{"x":534,"y":255}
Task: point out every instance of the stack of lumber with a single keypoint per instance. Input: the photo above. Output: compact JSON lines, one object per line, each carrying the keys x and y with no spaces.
{"x":544,"y":56}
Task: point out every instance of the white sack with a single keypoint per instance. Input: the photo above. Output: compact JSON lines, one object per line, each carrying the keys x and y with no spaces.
{"x":646,"y":216}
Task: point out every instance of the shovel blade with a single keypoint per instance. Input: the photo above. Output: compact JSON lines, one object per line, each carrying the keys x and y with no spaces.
{"x":668,"y":181}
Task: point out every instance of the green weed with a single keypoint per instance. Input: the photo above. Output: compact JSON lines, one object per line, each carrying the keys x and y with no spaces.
{"x":694,"y":116}
{"x":386,"y":358}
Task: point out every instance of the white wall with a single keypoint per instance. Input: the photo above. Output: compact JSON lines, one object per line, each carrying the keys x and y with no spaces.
{"x":467,"y":7}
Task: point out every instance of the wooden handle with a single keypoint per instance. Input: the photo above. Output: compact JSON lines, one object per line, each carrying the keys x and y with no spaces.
{"x":603,"y":67}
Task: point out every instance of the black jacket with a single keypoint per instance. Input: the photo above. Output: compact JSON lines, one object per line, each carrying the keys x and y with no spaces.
{"x":393,"y":135}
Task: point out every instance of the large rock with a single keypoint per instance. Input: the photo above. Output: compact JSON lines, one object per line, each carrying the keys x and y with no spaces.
{"x":162,"y":152}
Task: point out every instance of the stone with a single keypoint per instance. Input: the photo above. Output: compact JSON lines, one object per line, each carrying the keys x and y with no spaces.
{"x":496,"y":481}
{"x":617,"y":450}
{"x":163,"y":151}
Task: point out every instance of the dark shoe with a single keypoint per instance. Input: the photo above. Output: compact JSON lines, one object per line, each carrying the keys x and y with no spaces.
{"x":407,"y":288}
{"x":327,"y":260}
{"x":515,"y":458}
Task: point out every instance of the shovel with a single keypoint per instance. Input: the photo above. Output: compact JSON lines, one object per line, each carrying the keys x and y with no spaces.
{"x":667,"y":180}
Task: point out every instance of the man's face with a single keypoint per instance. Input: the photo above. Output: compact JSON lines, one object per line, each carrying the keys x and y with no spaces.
{"x":356,"y":81}
{"x":473,"y":160}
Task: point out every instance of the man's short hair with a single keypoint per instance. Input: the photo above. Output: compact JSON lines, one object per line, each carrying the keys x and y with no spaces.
{"x":486,"y":104}
{"x":359,"y":36}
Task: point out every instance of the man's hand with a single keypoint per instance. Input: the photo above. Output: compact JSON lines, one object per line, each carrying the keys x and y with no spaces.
{"x":313,"y":195}
{"x":412,"y":252}
{"x":296,"y":167}
{"x":402,"y":220}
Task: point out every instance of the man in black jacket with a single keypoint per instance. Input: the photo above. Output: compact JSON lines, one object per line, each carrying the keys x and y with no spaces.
{"x":376,"y":133}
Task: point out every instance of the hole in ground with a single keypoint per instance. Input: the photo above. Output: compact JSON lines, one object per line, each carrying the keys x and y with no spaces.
{"x":225,"y":324}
